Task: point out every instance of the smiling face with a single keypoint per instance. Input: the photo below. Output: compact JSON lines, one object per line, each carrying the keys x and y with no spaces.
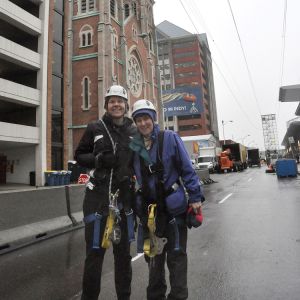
{"x":116,"y":107}
{"x":144,"y":125}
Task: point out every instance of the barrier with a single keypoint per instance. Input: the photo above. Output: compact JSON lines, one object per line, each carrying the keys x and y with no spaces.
{"x":204,"y":176}
{"x":28,"y":215}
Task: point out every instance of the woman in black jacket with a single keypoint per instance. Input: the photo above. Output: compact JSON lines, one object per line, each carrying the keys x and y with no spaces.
{"x":104,"y":149}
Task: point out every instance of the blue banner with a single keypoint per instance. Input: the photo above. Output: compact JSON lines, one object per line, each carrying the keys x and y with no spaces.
{"x":182,"y":101}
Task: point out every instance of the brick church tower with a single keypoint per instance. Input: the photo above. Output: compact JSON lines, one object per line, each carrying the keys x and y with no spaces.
{"x":111,"y":42}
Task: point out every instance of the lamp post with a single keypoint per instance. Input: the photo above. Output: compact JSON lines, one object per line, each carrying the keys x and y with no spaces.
{"x":223,"y":124}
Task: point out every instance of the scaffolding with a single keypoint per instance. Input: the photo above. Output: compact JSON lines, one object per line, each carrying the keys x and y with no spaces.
{"x":270,"y":132}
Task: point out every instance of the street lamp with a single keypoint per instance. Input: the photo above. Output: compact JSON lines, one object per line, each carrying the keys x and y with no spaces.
{"x":223,"y":124}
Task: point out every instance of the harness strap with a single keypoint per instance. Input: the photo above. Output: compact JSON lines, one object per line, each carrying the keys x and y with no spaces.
{"x":173,"y":223}
{"x":96,"y":218}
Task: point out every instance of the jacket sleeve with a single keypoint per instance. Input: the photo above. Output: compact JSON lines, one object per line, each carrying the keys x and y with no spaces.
{"x":84,"y":152}
{"x":186,"y":171}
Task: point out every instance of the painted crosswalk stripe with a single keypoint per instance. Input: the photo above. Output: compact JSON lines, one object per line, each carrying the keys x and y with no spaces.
{"x":224,"y":199}
{"x":137,"y":257}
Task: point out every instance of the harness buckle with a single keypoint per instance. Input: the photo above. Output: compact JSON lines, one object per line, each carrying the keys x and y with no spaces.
{"x":150,"y":169}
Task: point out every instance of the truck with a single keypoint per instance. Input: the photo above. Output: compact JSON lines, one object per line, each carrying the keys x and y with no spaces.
{"x":236,"y":153}
{"x":193,"y":144}
{"x":253,"y":158}
{"x":208,"y":158}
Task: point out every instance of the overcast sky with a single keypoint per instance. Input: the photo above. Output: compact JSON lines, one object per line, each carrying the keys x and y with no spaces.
{"x":260,"y":27}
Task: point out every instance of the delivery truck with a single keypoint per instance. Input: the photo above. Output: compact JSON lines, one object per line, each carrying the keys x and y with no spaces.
{"x":208,"y":158}
{"x":236,"y":153}
{"x":253,"y":158}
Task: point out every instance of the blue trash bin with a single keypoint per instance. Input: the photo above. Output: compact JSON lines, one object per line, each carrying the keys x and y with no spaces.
{"x":55,"y":175}
{"x":49,"y":178}
{"x":68,"y":177}
{"x":60,"y":178}
{"x":63,"y":178}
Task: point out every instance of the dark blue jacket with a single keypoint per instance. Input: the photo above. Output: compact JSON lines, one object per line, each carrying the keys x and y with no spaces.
{"x":176,"y":163}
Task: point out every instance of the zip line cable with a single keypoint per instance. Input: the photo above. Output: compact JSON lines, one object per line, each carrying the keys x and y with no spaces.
{"x":244,"y":55}
{"x":234,"y":97}
{"x":282,"y":53}
{"x":218,"y":68}
{"x":196,"y":12}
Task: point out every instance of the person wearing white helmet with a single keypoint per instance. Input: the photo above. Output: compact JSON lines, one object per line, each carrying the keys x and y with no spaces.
{"x":104,"y":150}
{"x":164,"y":173}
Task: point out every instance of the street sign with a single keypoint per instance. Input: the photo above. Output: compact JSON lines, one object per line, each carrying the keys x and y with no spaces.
{"x":291,"y":140}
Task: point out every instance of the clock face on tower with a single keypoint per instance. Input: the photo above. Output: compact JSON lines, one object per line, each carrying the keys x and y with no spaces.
{"x":135,"y":77}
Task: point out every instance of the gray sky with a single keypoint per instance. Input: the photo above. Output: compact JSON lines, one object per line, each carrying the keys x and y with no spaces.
{"x":260,"y":27}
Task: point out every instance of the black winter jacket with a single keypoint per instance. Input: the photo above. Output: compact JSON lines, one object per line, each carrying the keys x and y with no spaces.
{"x":95,"y":140}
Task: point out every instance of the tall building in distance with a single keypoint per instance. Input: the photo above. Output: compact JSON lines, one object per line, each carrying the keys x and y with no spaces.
{"x":113,"y":42}
{"x":270,"y":132}
{"x":186,"y":66}
{"x":31,"y":89}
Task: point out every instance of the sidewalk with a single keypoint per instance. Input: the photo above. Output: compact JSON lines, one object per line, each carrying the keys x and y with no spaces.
{"x":29,"y":214}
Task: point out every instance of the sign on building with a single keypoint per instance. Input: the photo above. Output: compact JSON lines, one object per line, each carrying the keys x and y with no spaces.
{"x":291,"y":140}
{"x":182,"y":101}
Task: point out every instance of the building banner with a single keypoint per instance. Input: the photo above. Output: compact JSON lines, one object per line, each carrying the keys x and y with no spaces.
{"x":182,"y":101}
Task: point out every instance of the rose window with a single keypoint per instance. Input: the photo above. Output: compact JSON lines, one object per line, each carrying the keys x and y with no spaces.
{"x":135,"y":77}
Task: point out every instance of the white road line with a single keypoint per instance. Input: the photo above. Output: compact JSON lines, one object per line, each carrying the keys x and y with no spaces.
{"x":137,"y":257}
{"x":224,"y":199}
{"x":249,"y":179}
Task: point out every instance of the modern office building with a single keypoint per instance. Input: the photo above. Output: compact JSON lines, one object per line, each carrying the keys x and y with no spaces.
{"x":270,"y":133}
{"x":185,"y":62}
{"x":113,"y":42}
{"x":31,"y":89}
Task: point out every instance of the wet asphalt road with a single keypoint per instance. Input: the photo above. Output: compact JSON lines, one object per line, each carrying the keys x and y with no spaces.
{"x":248,"y":248}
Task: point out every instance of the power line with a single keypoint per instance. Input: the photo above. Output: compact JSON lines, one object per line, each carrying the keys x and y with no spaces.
{"x":282,"y":52}
{"x":195,"y":10}
{"x":218,"y":68}
{"x":283,"y":42}
{"x":244,"y":55}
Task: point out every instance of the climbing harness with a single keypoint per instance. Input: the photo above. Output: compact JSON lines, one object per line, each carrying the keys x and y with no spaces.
{"x":153,"y":245}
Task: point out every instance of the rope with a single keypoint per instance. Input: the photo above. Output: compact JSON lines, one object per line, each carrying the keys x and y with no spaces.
{"x":114,"y":146}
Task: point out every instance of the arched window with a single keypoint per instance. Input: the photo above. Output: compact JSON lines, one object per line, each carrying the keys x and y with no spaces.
{"x":83,"y":6}
{"x":150,"y":41}
{"x":115,"y":39}
{"x":86,"y":103}
{"x":134,"y":33}
{"x":126,"y":10}
{"x":135,"y":75}
{"x":86,"y":36}
{"x":113,"y":8}
{"x":133,"y":7}
{"x":86,"y":6}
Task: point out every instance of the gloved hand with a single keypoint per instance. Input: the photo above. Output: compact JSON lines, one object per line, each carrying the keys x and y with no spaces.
{"x":194,"y":219}
{"x":107,"y":160}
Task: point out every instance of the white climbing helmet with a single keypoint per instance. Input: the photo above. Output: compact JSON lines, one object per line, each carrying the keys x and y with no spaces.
{"x":144,"y":106}
{"x":116,"y":90}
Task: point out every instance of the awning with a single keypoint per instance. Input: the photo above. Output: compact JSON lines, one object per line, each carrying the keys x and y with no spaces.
{"x":290,"y":93}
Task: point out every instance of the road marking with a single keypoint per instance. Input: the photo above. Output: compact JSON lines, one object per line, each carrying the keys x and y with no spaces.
{"x":249,"y":179}
{"x":137,"y":257}
{"x":224,"y":199}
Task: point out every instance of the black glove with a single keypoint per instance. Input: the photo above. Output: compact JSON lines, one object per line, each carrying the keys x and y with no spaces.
{"x":107,"y":160}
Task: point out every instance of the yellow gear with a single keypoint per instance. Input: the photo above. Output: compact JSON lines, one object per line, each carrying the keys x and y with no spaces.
{"x":106,"y":241}
{"x":150,"y":245}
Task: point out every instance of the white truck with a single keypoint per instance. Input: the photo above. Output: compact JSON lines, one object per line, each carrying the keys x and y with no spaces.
{"x":208,"y":159}
{"x":202,"y":151}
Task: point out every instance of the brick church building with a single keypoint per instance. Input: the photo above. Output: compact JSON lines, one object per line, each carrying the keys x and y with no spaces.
{"x":111,"y":42}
